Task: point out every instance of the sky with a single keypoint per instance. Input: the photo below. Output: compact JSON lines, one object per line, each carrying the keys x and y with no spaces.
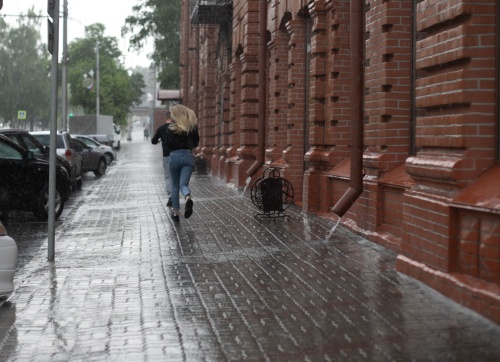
{"x":111,"y":13}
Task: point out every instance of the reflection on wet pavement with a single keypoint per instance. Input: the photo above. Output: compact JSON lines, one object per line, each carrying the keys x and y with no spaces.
{"x":129,"y":284}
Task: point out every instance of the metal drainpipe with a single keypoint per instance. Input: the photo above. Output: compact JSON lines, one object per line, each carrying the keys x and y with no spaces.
{"x":261,"y":138}
{"x":356,"y":173}
{"x":184,"y":56}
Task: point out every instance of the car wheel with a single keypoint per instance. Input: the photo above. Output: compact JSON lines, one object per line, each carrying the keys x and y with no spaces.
{"x":42,"y":203}
{"x":101,"y":167}
{"x":109,"y":158}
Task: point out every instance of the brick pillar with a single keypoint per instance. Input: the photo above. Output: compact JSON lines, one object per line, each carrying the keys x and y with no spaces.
{"x":454,"y":129}
{"x":388,"y":110}
{"x":249,"y":117}
{"x":234,"y":119}
{"x":336,"y":152}
{"x":224,"y":108}
{"x":294,"y":154}
{"x":208,"y":85}
{"x":278,"y":86}
{"x":316,"y":163}
{"x":387,"y":80}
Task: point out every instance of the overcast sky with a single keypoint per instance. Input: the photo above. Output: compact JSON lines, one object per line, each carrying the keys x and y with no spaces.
{"x":111,"y":13}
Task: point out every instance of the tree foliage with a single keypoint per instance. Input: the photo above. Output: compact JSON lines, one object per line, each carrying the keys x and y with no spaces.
{"x":160,"y":20}
{"x":118,"y":90}
{"x":24,"y":73}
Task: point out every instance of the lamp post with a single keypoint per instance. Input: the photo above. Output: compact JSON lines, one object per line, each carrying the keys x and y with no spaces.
{"x":53,"y":41}
{"x":153,"y":100}
{"x":97,"y":105}
{"x":64,"y":73}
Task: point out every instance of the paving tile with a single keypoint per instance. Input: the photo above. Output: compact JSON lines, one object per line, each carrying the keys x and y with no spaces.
{"x":130,"y":284}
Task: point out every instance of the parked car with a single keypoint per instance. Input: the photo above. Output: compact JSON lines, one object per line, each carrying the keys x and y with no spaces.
{"x":92,"y":160}
{"x":29,"y":142}
{"x":103,"y":139}
{"x":24,"y":181}
{"x":65,"y":148}
{"x":108,"y":152}
{"x":8,"y":263}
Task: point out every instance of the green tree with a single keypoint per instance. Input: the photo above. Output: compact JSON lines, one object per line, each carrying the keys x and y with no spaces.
{"x":137,"y":83}
{"x":160,"y":20}
{"x":24,"y":73}
{"x":118,"y":90}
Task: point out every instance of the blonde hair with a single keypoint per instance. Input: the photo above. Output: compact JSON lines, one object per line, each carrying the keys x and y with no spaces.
{"x":184,"y":119}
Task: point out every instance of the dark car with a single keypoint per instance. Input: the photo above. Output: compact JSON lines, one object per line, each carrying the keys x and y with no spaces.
{"x":110,"y":154}
{"x":24,"y":181}
{"x":64,"y":148}
{"x":92,"y":159}
{"x":29,"y":142}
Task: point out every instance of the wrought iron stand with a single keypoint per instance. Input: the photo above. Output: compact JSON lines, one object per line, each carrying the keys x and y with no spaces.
{"x":272,"y":194}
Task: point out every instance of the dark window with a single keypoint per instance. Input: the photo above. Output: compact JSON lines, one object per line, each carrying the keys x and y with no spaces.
{"x":30,"y":145}
{"x":8,"y":152}
{"x":43,"y":139}
{"x":88,"y":141}
{"x":78,"y":145}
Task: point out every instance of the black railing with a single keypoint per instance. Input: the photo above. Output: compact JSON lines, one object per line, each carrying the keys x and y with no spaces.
{"x":211,"y":11}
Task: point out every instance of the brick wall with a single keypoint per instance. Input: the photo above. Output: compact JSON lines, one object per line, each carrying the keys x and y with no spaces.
{"x":429,"y":106}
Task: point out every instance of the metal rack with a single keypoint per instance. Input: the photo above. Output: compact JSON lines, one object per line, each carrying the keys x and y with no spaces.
{"x":272,"y":195}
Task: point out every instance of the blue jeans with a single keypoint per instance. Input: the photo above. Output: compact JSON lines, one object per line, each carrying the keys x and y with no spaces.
{"x":181,"y":167}
{"x":166,"y":171}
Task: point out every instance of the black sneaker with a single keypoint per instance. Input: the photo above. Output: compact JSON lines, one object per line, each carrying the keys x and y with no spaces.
{"x":188,"y":211}
{"x":169,"y":202}
{"x":175,"y":217}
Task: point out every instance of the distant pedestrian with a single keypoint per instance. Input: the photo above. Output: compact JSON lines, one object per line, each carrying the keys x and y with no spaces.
{"x":146,"y":133}
{"x":161,"y":134}
{"x":182,"y":139}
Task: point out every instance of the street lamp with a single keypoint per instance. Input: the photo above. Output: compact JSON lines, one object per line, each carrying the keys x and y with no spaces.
{"x":97,"y":105}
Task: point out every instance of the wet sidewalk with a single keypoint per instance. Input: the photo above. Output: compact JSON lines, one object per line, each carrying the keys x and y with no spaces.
{"x":129,"y":284}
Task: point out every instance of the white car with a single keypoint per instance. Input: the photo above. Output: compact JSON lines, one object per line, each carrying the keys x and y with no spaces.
{"x":8,"y":263}
{"x":108,"y":151}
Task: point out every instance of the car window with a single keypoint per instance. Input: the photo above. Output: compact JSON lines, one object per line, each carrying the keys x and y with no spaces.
{"x":44,"y":139}
{"x":9,"y":152}
{"x":31,"y":145}
{"x":101,"y":139}
{"x":71,"y":143}
{"x":88,"y":141}
{"x":78,"y":145}
{"x":13,"y":138}
{"x":60,"y":141}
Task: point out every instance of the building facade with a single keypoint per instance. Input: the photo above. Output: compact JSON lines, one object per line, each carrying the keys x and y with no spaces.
{"x":401,"y":95}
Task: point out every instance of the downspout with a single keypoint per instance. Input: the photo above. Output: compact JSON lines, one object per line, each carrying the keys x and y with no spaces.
{"x":261,"y":128}
{"x":197,"y":71}
{"x":184,"y":56}
{"x":356,"y":172}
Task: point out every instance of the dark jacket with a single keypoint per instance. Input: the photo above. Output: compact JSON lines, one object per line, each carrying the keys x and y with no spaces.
{"x":183,"y":140}
{"x":161,"y":134}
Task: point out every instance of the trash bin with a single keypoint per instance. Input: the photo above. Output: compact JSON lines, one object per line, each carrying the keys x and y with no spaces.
{"x":272,"y":194}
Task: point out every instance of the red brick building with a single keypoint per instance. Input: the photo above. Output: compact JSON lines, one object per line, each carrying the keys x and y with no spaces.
{"x":383,"y":112}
